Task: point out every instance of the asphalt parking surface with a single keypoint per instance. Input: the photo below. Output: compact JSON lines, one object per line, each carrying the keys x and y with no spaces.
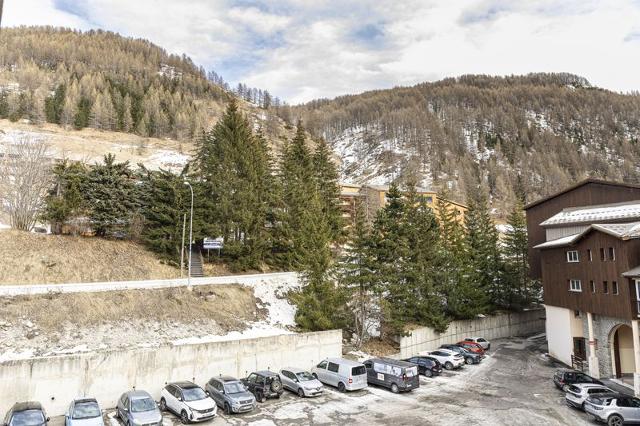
{"x":512,"y":386}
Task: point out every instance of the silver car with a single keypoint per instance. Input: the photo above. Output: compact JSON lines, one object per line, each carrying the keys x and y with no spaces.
{"x":84,"y":412}
{"x":137,"y":408}
{"x":300,"y":381}
{"x":578,"y":393}
{"x":230,"y":394}
{"x":615,"y":409}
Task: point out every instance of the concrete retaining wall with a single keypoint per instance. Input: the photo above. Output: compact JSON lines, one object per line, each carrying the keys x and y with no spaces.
{"x":54,"y":381}
{"x":493,"y":327}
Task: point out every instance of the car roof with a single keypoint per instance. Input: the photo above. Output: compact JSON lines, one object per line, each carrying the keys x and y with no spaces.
{"x":27,"y":405}
{"x":225,"y":379}
{"x":138,"y":394}
{"x":294,"y":370}
{"x":589,"y":385}
{"x":267,"y":373}
{"x":82,"y":399}
{"x":612,"y":395}
{"x":566,"y":370}
{"x":184,"y":385}
{"x":445,"y":350}
{"x":391,"y":361}
{"x":344,"y":361}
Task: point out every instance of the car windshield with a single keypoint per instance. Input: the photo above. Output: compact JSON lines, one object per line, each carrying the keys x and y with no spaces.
{"x":234,"y":387}
{"x":86,"y":410}
{"x":142,"y":404}
{"x":193,"y":394}
{"x":27,"y":418}
{"x":303,"y":376}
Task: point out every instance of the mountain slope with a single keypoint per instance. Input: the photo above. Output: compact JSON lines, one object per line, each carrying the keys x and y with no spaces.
{"x":551,"y":129}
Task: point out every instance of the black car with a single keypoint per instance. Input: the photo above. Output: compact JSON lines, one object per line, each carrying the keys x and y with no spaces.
{"x":263,"y":385}
{"x":427,"y":366}
{"x":469,"y":357}
{"x":26,"y":414}
{"x":566,"y":376}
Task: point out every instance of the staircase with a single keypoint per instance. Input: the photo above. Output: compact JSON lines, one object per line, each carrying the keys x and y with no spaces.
{"x":196,"y":263}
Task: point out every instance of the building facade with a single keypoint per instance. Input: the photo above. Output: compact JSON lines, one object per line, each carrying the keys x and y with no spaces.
{"x":374,"y":197}
{"x":587,"y":255}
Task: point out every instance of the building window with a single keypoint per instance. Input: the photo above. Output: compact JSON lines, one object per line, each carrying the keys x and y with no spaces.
{"x":614,"y":287}
{"x":602,"y":255}
{"x":572,"y":256}
{"x":575,"y":285}
{"x":605,"y":287}
{"x":612,"y":254}
{"x":576,"y":313}
{"x":593,"y":286}
{"x":590,"y":255}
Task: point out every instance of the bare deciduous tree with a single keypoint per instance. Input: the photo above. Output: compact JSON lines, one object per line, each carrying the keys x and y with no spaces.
{"x":25,"y":177}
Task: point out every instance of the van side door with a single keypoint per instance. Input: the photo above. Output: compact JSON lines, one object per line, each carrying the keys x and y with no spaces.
{"x":333,"y":375}
{"x":321,"y":371}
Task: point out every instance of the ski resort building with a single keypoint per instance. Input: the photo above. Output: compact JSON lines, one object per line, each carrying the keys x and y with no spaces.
{"x":585,"y":247}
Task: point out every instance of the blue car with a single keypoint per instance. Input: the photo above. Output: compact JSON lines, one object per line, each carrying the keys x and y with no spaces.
{"x":137,"y":408}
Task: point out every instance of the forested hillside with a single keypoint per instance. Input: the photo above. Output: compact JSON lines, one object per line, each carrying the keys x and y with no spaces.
{"x":549,"y":129}
{"x":105,"y":81}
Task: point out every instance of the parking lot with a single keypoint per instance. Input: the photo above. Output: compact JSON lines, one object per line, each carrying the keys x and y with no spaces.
{"x":513,"y":385}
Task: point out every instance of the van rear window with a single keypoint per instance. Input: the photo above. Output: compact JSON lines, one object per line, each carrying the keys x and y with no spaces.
{"x":358,"y":371}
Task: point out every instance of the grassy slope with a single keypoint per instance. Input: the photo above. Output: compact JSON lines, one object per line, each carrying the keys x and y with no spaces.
{"x":28,"y":258}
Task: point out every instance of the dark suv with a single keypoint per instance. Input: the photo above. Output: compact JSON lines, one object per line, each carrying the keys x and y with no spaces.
{"x":565,"y":377}
{"x":26,"y":414}
{"x":264,"y":384}
{"x":469,"y":357}
{"x":427,"y":366}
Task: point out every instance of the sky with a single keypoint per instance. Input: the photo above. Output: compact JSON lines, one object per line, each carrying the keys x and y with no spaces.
{"x":301,"y":50}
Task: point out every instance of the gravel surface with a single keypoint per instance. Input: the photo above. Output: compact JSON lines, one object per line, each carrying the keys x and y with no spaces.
{"x":513,"y":385}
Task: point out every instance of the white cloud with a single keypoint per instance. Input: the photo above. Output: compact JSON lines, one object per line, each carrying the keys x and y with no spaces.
{"x":302,"y":50}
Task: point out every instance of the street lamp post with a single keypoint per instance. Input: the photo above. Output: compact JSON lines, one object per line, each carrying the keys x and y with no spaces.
{"x":190,"y":236}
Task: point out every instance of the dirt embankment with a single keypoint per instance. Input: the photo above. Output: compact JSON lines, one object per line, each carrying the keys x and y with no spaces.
{"x":28,"y":258}
{"x":77,"y":322}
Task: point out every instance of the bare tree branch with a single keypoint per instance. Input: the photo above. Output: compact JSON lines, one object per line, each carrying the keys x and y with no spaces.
{"x":25,"y":177}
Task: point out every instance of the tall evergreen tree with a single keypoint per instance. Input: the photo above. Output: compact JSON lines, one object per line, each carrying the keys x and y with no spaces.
{"x":327,"y":180}
{"x":65,"y":200}
{"x":234,"y":167}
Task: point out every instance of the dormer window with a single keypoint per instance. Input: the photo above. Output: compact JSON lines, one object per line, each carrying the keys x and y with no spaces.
{"x":572,"y":256}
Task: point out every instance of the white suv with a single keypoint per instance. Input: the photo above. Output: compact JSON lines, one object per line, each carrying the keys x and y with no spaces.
{"x":448,"y":358}
{"x":188,"y":401}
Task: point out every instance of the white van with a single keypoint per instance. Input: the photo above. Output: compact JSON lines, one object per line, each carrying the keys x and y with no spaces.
{"x":341,"y":373}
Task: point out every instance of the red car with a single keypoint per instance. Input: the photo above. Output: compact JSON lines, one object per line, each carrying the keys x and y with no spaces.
{"x":471,"y":346}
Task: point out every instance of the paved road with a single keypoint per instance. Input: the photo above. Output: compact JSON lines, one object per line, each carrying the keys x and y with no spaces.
{"x":512,"y":386}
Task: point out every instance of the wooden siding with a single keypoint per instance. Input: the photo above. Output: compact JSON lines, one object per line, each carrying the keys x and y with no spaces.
{"x":556,"y":273}
{"x":591,"y":193}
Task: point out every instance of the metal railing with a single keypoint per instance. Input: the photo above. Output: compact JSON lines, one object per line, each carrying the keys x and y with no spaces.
{"x":578,"y":363}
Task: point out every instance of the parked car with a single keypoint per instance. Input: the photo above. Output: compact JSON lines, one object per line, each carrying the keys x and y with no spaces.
{"x":230,"y":394}
{"x":615,"y":409}
{"x":565,"y":376}
{"x":264,"y":384}
{"x":577,"y":393}
{"x":138,"y":408}
{"x":189,"y":401}
{"x":472,"y":347}
{"x":469,"y":357}
{"x":28,"y":413}
{"x":448,"y":358}
{"x":396,"y":375}
{"x":83,"y":412}
{"x":486,"y":345}
{"x":427,"y":366}
{"x":342,"y":373}
{"x":300,"y":381}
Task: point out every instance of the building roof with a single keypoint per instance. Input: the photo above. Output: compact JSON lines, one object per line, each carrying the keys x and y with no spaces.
{"x":623,"y":231}
{"x":591,"y":214}
{"x":635,"y":272}
{"x":578,"y":185}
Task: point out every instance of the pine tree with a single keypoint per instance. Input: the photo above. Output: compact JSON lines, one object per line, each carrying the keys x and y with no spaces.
{"x":327,"y":181}
{"x":127,"y":121}
{"x":55,"y":104}
{"x":65,"y":201}
{"x":234,"y":166}
{"x":109,"y":192}
{"x":483,"y":255}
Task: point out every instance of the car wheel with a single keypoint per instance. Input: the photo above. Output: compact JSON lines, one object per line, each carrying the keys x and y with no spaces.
{"x":615,"y":420}
{"x":163,"y":404}
{"x":184,"y":418}
{"x":260,"y":397}
{"x":341,"y":387}
{"x":227,"y":408}
{"x":300,"y":393}
{"x":448,"y":365}
{"x":394,"y":388}
{"x":468,"y":360}
{"x":428,"y":373}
